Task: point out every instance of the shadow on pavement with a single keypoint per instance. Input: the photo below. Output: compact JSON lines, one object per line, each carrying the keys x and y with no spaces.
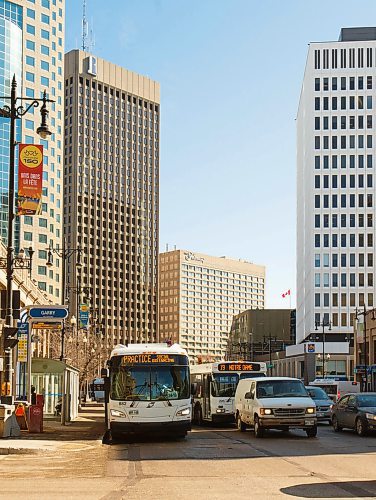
{"x":88,"y":426}
{"x":228,"y":444}
{"x":338,"y":489}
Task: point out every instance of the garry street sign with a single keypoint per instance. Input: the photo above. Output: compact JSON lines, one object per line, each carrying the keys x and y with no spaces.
{"x":48,"y":313}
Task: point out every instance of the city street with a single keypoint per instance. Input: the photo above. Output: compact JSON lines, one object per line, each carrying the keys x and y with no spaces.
{"x":218,"y":463}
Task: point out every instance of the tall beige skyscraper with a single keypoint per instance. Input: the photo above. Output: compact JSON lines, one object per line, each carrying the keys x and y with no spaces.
{"x":200,"y":294}
{"x":32,"y":48}
{"x":111,"y":194}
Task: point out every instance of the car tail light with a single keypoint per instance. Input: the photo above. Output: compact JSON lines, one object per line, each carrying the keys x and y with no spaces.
{"x":338,"y":394}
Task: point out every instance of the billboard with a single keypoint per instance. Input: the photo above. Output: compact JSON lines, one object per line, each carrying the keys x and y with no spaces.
{"x":30,"y":179}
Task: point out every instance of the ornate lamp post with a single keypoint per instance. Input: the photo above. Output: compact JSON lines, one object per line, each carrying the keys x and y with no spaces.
{"x":17,"y":108}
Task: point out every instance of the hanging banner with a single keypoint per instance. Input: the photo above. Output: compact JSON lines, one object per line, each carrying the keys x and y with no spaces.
{"x":84,"y":316}
{"x":30,"y":179}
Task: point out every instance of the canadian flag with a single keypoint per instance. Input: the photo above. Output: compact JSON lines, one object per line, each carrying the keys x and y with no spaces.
{"x":286,"y":293}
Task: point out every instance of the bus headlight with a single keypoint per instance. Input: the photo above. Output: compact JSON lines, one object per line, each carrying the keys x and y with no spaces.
{"x":310,"y":410}
{"x":265,"y":411}
{"x":117,"y":413}
{"x":183,"y":413}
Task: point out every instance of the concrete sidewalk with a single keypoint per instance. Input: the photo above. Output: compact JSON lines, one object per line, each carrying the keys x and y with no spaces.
{"x":88,"y":428}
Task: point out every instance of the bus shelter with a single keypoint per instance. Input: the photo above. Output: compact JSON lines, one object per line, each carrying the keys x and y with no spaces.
{"x":59,"y":384}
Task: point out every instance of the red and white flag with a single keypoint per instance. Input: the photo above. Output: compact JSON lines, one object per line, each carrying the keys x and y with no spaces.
{"x":286,"y":293}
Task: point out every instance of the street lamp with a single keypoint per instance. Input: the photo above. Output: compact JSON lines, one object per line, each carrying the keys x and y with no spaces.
{"x":365,"y":349}
{"x":15,"y":111}
{"x":65,"y":254}
{"x":20,"y":261}
{"x":323,"y":324}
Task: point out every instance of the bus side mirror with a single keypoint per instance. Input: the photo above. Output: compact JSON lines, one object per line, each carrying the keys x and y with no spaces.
{"x":104,"y":372}
{"x":194,"y":389}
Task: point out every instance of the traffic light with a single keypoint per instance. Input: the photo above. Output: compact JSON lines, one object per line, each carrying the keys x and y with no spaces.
{"x":16,"y":302}
{"x":10,"y":337}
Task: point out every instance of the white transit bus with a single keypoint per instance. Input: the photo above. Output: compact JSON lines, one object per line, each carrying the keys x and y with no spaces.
{"x":214,"y":386}
{"x":148,"y":390}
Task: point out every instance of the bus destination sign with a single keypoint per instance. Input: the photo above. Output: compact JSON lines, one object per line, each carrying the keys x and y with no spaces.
{"x":147,"y":358}
{"x":238,"y":367}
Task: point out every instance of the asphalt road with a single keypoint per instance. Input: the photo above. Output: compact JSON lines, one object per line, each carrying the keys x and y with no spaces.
{"x":212,"y":463}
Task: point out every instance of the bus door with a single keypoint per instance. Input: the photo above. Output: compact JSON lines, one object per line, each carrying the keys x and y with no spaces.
{"x":206,"y":396}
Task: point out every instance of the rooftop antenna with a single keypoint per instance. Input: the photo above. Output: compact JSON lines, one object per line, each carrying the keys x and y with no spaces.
{"x":85,"y":47}
{"x":92,"y":37}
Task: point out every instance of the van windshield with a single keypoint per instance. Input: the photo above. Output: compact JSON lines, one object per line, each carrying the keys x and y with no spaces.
{"x":281,"y":389}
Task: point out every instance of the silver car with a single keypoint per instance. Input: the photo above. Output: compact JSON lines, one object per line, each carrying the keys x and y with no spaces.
{"x":323,"y":403}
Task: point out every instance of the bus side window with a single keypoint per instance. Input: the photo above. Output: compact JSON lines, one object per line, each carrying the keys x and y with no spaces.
{"x":198,"y":381}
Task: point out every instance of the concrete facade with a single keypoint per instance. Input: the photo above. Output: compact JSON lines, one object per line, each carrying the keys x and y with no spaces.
{"x":253,"y":330}
{"x":111,"y":195}
{"x":336,"y":161}
{"x":200,"y":294}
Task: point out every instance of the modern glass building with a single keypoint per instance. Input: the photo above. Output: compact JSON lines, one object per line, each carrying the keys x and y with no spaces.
{"x":10,"y":64}
{"x":32,"y":48}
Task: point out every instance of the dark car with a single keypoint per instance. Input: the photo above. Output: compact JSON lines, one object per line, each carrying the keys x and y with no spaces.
{"x":322,"y":401}
{"x":355,"y":411}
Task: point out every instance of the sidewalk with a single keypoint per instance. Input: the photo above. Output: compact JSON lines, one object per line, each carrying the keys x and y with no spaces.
{"x":88,"y":428}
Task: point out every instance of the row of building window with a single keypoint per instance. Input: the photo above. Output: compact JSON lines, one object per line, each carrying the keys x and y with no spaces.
{"x":112,"y":92}
{"x":343,"y":83}
{"x":343,"y":58}
{"x":346,"y":320}
{"x":342,"y":220}
{"x":343,"y":161}
{"x":343,"y":103}
{"x":346,"y":142}
{"x":345,"y":240}
{"x":322,"y":181}
{"x":322,"y":201}
{"x":343,"y":260}
{"x":343,"y":279}
{"x":343,"y":122}
{"x":342,"y":299}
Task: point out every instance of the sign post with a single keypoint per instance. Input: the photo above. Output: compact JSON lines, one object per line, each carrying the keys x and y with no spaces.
{"x":45,"y":314}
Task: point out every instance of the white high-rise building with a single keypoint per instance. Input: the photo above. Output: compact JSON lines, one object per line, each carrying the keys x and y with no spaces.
{"x":336,"y":182}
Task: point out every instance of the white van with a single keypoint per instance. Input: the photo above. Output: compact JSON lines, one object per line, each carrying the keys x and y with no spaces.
{"x":335,"y":389}
{"x":274,"y":403}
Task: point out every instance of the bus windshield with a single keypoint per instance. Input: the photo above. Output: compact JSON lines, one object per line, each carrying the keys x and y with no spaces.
{"x":149,"y":383}
{"x":224,"y":384}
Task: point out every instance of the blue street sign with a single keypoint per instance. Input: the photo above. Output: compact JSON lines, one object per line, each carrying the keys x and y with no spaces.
{"x":311,"y":347}
{"x":22,"y":327}
{"x":48,"y":313}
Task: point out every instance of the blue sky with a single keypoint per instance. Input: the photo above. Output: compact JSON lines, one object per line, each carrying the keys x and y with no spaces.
{"x":230,"y":74}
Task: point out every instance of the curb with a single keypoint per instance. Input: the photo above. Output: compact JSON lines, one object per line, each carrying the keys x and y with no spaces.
{"x":19,"y":451}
